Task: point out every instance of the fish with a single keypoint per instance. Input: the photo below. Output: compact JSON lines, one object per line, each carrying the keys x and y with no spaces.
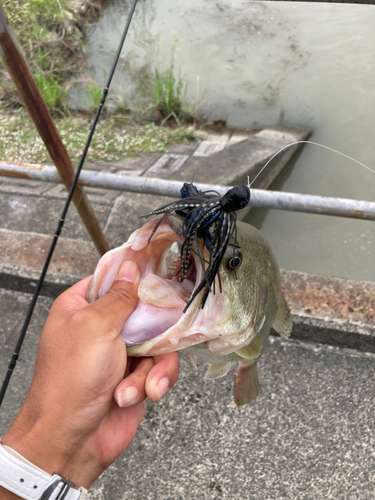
{"x":234,"y":324}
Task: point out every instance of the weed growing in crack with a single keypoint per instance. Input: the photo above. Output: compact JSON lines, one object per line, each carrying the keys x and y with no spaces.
{"x":168,"y":93}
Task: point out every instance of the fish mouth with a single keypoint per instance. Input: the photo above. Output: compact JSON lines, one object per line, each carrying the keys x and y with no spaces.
{"x":163,"y":296}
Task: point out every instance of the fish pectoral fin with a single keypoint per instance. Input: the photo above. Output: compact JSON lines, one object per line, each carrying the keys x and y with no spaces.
{"x":246,"y":383}
{"x":193,"y":359}
{"x":217,"y":370}
{"x":251,"y":351}
{"x":283,"y":321}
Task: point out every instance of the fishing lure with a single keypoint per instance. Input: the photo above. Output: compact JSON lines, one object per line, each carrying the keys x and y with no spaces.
{"x":211,"y":217}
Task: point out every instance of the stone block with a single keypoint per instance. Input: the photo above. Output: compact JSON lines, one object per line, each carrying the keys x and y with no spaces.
{"x":23,"y":255}
{"x":140,"y":162}
{"x":166,"y":165}
{"x":24,"y":186}
{"x":96,"y":195}
{"x":209,"y":148}
{"x":41,"y":215}
{"x":183,"y":149}
{"x":236,"y":138}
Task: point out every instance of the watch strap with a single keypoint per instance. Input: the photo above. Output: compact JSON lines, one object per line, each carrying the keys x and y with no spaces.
{"x":28,"y":481}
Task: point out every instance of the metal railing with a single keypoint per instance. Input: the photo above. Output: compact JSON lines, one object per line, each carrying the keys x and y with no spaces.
{"x":340,"y":207}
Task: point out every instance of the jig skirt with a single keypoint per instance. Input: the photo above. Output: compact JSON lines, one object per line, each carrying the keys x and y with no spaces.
{"x":211,"y":217}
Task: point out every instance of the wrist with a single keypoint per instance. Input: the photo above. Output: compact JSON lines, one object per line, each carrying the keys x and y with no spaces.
{"x":53,"y":449}
{"x":7,"y":495}
{"x":23,"y":479}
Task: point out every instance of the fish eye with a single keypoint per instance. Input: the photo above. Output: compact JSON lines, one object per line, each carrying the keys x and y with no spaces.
{"x":234,"y":261}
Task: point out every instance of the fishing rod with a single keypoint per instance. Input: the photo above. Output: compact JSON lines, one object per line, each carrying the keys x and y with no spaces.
{"x":62,"y":218}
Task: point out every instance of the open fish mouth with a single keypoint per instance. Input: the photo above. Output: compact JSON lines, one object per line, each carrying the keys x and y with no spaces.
{"x":176,"y":310}
{"x":162,"y":295}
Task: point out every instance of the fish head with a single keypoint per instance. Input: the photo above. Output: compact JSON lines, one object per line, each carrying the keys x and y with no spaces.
{"x":242,"y":302}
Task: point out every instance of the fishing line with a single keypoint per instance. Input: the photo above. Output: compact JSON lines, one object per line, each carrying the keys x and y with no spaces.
{"x":314,"y":144}
{"x":61,"y":221}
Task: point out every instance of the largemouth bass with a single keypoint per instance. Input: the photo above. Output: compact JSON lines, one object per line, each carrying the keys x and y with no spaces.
{"x":234,"y":324}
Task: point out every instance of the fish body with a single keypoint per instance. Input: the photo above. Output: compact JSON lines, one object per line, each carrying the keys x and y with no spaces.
{"x":233,"y":325}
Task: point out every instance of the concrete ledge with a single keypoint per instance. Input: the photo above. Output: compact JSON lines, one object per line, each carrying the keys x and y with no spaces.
{"x":14,"y":283}
{"x":331,"y":310}
{"x":246,"y":158}
{"x":23,"y":255}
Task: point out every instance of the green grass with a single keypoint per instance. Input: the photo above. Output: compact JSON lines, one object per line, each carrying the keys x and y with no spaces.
{"x":20,"y":142}
{"x":168,"y":93}
{"x":94,"y":92}
{"x":20,"y":10}
{"x":52,"y":90}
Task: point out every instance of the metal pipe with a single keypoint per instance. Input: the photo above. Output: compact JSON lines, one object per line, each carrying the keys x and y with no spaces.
{"x":340,"y":207}
{"x":29,"y":92}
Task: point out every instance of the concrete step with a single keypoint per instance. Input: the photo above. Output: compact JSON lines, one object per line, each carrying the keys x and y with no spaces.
{"x":23,"y":255}
{"x":331,"y":310}
{"x":32,"y":206}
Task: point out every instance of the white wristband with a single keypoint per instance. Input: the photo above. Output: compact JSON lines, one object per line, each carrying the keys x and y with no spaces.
{"x":26,"y":480}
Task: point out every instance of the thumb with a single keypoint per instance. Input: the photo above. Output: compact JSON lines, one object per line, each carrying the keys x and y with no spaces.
{"x":119,"y":302}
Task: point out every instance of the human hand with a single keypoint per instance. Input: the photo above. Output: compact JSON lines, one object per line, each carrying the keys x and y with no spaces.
{"x":71,"y":421}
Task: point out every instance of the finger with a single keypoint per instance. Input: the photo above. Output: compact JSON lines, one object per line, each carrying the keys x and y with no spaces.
{"x":112,"y":310}
{"x":127,"y":420}
{"x":162,"y":376}
{"x":131,"y":390}
{"x":119,"y":428}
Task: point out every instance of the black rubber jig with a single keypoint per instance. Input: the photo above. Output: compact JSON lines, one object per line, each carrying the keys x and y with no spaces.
{"x":212,"y":217}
